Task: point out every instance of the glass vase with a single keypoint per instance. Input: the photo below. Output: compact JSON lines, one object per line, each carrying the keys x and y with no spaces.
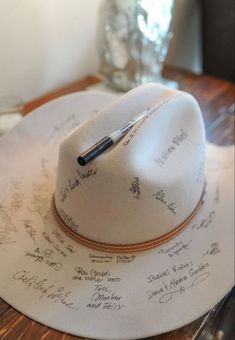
{"x":135,"y":42}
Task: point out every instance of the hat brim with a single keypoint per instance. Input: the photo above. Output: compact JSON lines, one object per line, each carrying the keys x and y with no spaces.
{"x":54,"y":280}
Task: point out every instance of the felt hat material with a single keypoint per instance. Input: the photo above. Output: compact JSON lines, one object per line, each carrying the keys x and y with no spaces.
{"x":54,"y":279}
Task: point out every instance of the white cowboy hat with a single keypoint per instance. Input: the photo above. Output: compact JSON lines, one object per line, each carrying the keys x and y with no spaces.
{"x":116,"y":248}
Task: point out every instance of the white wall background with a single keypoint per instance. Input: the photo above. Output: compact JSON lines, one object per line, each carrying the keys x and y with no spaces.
{"x":45,"y":44}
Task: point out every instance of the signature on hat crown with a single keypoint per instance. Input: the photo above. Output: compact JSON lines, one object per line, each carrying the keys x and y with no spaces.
{"x":146,"y":185}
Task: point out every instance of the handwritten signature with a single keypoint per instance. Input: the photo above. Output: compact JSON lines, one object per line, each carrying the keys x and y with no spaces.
{"x":161,"y":197}
{"x":9,"y":229}
{"x":47,"y":290}
{"x":6,"y":237}
{"x":135,"y":188}
{"x":214,"y":250}
{"x":175,"y":143}
{"x":196,"y":281}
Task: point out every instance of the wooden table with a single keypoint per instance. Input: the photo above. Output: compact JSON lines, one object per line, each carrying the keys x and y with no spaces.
{"x":215,"y":96}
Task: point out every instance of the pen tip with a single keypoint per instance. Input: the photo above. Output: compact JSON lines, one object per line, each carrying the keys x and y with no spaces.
{"x":81,"y":161}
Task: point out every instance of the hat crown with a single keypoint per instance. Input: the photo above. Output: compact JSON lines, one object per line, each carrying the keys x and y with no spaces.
{"x":144,"y":186}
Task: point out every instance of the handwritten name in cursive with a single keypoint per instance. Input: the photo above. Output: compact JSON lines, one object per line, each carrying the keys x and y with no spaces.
{"x":121,"y":259}
{"x":205,"y":222}
{"x":90,"y":274}
{"x":58,"y":295}
{"x":196,"y":281}
{"x":179,"y":285}
{"x":63,"y":242}
{"x":8,"y":230}
{"x":176,"y":141}
{"x":30,"y":230}
{"x":105,"y":298}
{"x":45,"y":257}
{"x":213,"y":250}
{"x":62,"y":129}
{"x":161,"y":197}
{"x":135,"y":129}
{"x":17,"y":196}
{"x":100,"y":258}
{"x":74,"y":182}
{"x":58,"y":243}
{"x":176,"y":249}
{"x":135,"y":188}
{"x":40,"y":202}
{"x":83,"y":274}
{"x":68,"y":220}
{"x":6,"y":237}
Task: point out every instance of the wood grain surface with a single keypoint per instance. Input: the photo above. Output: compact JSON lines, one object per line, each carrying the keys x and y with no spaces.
{"x":215,"y":97}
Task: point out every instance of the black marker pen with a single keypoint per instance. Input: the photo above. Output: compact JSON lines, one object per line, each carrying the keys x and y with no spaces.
{"x":106,"y":142}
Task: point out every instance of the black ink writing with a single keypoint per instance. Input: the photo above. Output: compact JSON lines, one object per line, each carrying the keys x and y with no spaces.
{"x":121,"y":259}
{"x":176,"y":249}
{"x":170,"y":286}
{"x":45,"y":288}
{"x":175,"y":143}
{"x":135,"y":188}
{"x":161,"y":197}
{"x":75,"y":182}
{"x":214,"y":249}
{"x":44,"y":256}
{"x":68,"y":219}
{"x":196,"y":281}
{"x":205,"y":222}
{"x":58,"y":243}
{"x":62,"y":241}
{"x":61,"y":130}
{"x":8,"y":230}
{"x":105,"y":298}
{"x":30,"y":230}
